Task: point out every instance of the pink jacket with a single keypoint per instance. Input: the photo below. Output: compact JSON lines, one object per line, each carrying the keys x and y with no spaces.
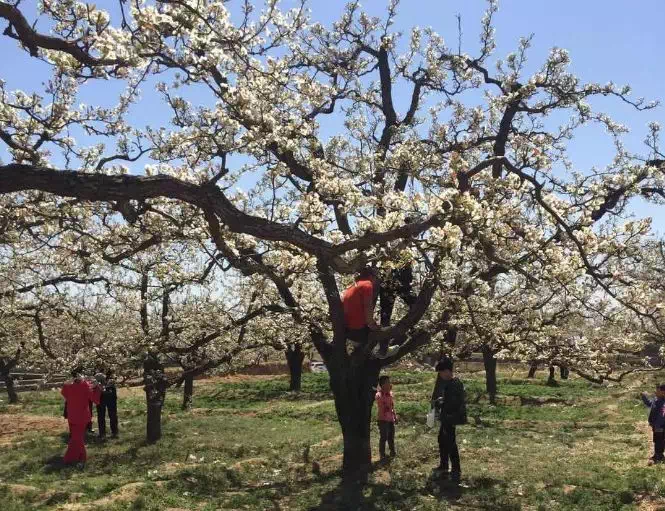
{"x":386,"y":406}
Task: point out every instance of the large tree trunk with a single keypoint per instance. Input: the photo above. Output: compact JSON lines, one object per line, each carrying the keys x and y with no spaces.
{"x":294,"y":359}
{"x":11,"y":388}
{"x":188,"y":392}
{"x":532,"y":370}
{"x":551,"y":380}
{"x":155,"y":385}
{"x":353,"y":383}
{"x":490,"y":373}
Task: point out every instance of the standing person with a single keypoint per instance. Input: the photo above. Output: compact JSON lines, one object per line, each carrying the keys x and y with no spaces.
{"x":448,"y":401}
{"x":657,"y":422}
{"x":396,"y":282}
{"x":386,"y":416}
{"x":108,"y":403}
{"x":358,"y":303}
{"x":78,"y":394}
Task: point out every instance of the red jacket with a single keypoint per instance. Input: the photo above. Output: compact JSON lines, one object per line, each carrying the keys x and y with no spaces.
{"x":78,"y":396}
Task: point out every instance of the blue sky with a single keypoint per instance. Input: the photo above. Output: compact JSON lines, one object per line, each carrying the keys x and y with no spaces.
{"x":607,"y":40}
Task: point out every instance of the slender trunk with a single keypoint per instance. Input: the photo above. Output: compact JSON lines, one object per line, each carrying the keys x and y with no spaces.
{"x":294,"y":359}
{"x":11,"y":388}
{"x":564,"y":372}
{"x":188,"y":392}
{"x":353,"y":389}
{"x":532,"y":371}
{"x":551,"y":380}
{"x":490,"y":373}
{"x":155,"y":385}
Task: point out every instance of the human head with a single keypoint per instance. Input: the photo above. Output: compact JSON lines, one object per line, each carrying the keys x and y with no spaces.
{"x":77,"y":373}
{"x":367,"y":273}
{"x":101,"y":379}
{"x":445,"y":368}
{"x":660,"y":390}
{"x":384,"y":383}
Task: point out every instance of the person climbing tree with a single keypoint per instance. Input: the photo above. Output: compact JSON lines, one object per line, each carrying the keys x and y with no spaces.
{"x":358,"y":303}
{"x":396,"y":282}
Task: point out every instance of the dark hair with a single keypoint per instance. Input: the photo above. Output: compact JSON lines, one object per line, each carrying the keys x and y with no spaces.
{"x":661,"y":387}
{"x":77,"y":371}
{"x":444,"y":364}
{"x":366,"y":272}
{"x":383,"y":379}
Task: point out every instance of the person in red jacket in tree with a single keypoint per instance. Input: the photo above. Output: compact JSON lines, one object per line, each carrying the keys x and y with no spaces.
{"x":78,"y":394}
{"x":358,"y":302}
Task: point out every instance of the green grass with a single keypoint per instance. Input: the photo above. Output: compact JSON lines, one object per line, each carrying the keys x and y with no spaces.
{"x":576,"y":446}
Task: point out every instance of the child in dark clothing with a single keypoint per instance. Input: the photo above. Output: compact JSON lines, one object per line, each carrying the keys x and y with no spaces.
{"x":386,"y":416}
{"x":657,"y":422}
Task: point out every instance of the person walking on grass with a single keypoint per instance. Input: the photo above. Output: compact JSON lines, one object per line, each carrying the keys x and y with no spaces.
{"x":449,"y":404}
{"x":386,"y":416}
{"x":78,"y":394}
{"x":657,"y":422}
{"x":108,"y":403}
{"x":358,"y":303}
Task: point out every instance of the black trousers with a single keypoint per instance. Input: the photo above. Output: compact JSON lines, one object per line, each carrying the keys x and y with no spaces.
{"x":112,"y":408}
{"x":448,"y":449}
{"x":658,"y":445}
{"x":386,"y":434}
{"x":387,"y":297}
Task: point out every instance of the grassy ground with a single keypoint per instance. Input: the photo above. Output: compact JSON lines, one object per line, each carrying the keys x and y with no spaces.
{"x":250,"y":444}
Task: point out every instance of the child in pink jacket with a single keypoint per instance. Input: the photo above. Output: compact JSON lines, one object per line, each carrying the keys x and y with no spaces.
{"x":386,"y":416}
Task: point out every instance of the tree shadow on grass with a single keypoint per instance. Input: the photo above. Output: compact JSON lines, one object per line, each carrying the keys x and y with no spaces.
{"x":487,"y":493}
{"x":55,"y":463}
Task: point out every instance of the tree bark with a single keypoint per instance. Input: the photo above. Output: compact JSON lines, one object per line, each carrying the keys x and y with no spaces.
{"x":551,"y":380}
{"x":155,"y":385}
{"x":532,"y":370}
{"x":11,"y":388}
{"x":353,"y":383}
{"x":188,"y":392}
{"x":294,"y":359}
{"x":490,"y":373}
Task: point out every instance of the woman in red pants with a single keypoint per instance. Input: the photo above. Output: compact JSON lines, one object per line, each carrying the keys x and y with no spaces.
{"x":78,"y":394}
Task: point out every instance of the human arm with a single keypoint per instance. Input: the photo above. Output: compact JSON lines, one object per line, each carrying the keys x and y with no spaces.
{"x":436,"y":393}
{"x":368,"y":308}
{"x":95,"y":393}
{"x":646,"y":400}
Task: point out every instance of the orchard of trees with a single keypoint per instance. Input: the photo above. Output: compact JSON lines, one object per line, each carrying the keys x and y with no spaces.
{"x":241,"y":162}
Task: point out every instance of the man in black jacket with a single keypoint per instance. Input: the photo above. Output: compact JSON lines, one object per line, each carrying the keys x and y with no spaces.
{"x":448,"y":401}
{"x":108,"y":402}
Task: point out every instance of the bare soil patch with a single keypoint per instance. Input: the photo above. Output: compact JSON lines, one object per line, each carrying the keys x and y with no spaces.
{"x":12,"y":425}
